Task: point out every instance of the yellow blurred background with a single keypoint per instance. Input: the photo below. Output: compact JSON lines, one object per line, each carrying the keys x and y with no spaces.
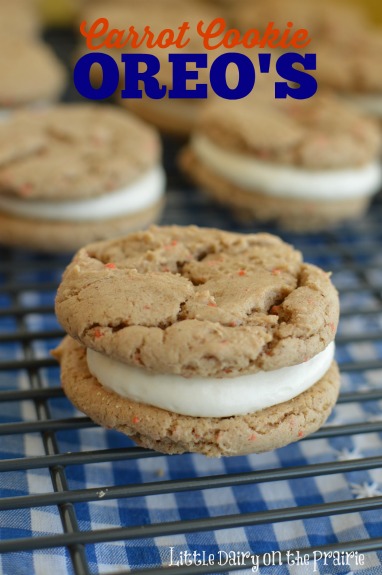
{"x":61,"y":12}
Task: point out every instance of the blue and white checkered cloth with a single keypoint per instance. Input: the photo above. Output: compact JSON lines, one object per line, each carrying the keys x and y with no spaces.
{"x":107,"y":558}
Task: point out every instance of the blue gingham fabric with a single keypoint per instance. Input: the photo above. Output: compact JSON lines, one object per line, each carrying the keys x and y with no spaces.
{"x":106,"y":558}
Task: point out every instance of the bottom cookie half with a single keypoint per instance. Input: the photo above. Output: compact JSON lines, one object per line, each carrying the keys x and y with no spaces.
{"x":291,"y":213}
{"x":171,"y":433}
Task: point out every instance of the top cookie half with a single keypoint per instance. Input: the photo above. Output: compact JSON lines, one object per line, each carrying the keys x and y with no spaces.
{"x":198,"y":302}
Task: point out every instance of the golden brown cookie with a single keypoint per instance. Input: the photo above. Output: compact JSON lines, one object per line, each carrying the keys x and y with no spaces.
{"x":30,"y":72}
{"x":300,"y":163}
{"x":172,"y":116}
{"x":72,"y":174}
{"x":337,"y":22}
{"x":19,"y":18}
{"x":356,"y":79}
{"x":203,"y":308}
{"x":190,"y":300}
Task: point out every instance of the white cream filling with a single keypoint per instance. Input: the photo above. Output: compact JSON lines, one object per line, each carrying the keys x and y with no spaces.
{"x":287,"y":181}
{"x":209,"y":397}
{"x":372,"y":104}
{"x":138,"y":196}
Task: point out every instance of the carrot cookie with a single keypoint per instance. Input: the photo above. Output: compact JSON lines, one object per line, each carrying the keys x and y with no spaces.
{"x":191,"y":339}
{"x":30,"y":73}
{"x":357,"y":78}
{"x":336,"y":22}
{"x":19,"y":18}
{"x":73,"y":174}
{"x":171,"y":116}
{"x":306,"y":164}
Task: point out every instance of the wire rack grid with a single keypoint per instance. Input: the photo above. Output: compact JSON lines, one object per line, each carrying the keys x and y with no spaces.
{"x":38,"y":425}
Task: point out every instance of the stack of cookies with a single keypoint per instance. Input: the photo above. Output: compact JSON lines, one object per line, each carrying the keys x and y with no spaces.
{"x":30,"y":72}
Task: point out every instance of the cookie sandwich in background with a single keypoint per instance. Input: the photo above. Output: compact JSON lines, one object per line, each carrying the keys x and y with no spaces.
{"x":20,"y":18}
{"x":199,"y":340}
{"x":354,"y":73}
{"x":336,"y":22}
{"x":306,"y":164}
{"x":176,"y":116}
{"x":76,"y":173}
{"x":31,"y":74}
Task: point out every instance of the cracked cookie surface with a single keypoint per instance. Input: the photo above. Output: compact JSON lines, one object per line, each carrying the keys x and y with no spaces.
{"x":74,"y":151}
{"x":198,"y":302}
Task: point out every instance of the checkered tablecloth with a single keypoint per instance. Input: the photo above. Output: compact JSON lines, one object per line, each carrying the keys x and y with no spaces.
{"x":183,"y":208}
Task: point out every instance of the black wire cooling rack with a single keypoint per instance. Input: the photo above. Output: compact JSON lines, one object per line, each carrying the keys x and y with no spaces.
{"x":353,"y":252}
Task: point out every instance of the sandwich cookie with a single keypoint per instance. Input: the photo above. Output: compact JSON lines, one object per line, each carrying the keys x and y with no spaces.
{"x":19,"y":18}
{"x":305,"y":163}
{"x":175,"y":116}
{"x":190,"y":339}
{"x":31,"y":74}
{"x":335,"y":22}
{"x":73,"y":174}
{"x":356,"y":79}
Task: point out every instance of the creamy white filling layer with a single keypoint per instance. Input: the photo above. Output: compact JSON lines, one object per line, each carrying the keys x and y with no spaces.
{"x":372,"y":104}
{"x":287,"y":181}
{"x":209,"y":397}
{"x":136,"y":197}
